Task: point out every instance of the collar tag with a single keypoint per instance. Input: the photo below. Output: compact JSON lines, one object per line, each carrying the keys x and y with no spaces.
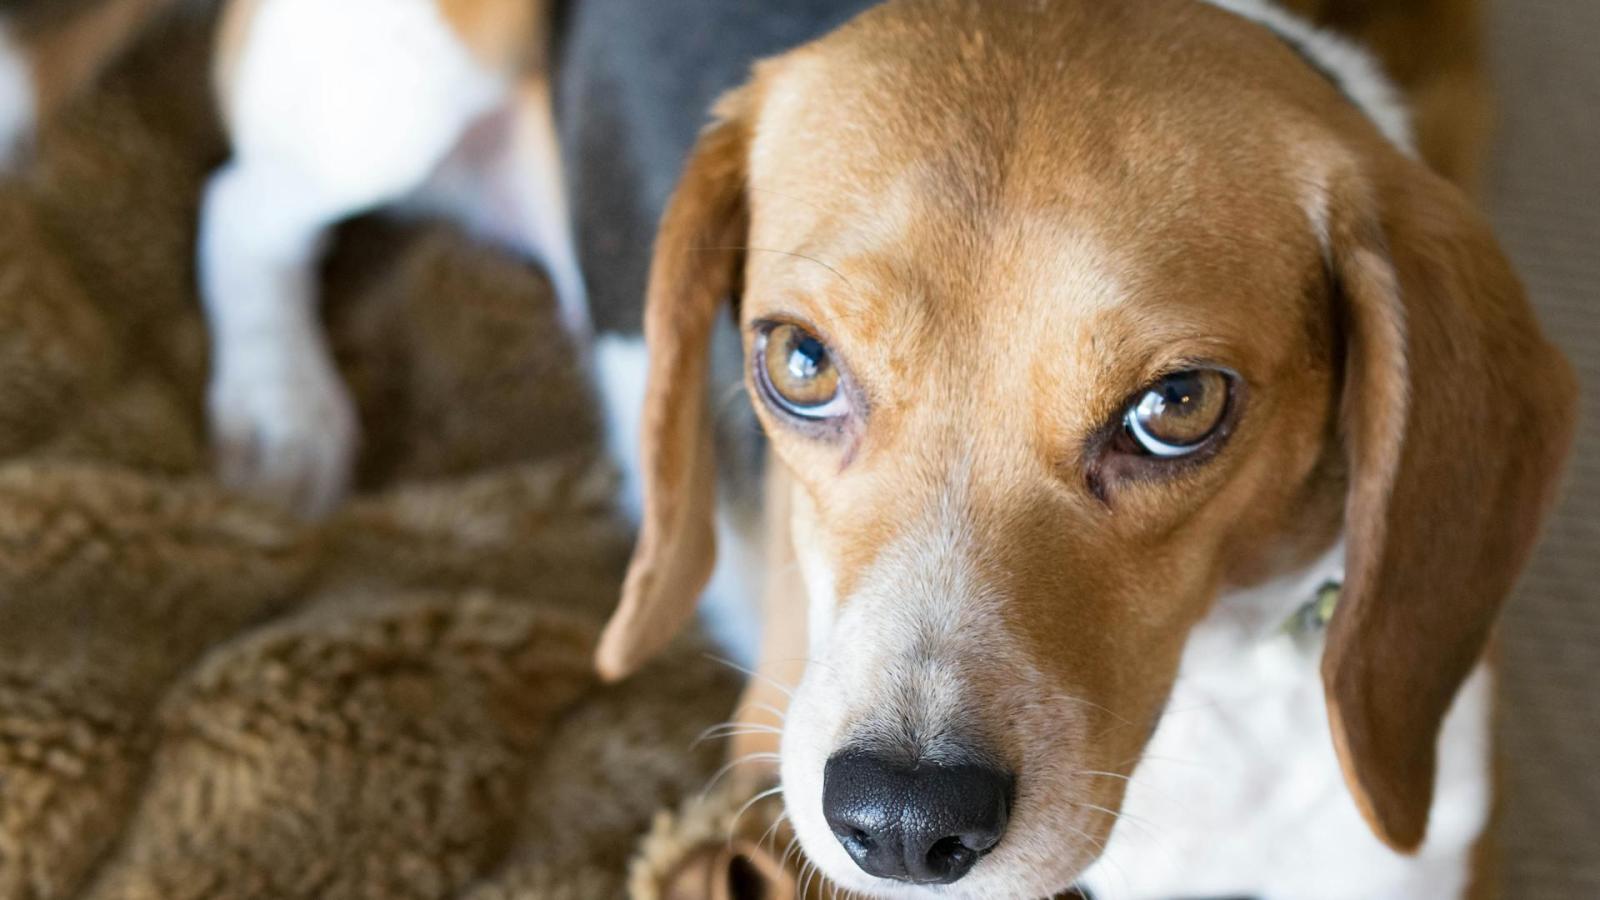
{"x":1309,"y":621}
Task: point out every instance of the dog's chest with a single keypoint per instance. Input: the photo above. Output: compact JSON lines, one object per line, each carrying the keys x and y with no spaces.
{"x":1240,"y":793}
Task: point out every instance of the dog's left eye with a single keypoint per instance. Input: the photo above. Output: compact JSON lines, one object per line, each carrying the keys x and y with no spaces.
{"x":1179,"y":414}
{"x":797,"y":373}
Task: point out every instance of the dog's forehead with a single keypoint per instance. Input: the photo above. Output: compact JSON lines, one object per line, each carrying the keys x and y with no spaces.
{"x":1019,"y":141}
{"x":1172,"y":94}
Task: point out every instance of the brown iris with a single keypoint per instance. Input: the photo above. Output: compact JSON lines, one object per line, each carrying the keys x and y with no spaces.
{"x":1179,"y":413}
{"x":799,"y":372}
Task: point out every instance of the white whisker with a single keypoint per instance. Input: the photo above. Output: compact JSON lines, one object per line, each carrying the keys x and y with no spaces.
{"x":734,"y":825}
{"x":788,"y":851}
{"x":1099,"y":774}
{"x":775,"y":712}
{"x":747,"y":759}
{"x":1149,"y":828}
{"x":788,"y":690}
{"x":809,"y":873}
{"x":1059,"y":696}
{"x":772,"y":830}
{"x":732,"y":729}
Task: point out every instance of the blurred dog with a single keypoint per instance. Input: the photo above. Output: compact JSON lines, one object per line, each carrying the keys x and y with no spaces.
{"x":1153,"y":437}
{"x":332,"y":109}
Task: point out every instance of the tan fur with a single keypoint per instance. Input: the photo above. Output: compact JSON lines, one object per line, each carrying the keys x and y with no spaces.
{"x":503,"y":34}
{"x":1001,"y":250}
{"x":233,"y":30}
{"x":1460,"y":414}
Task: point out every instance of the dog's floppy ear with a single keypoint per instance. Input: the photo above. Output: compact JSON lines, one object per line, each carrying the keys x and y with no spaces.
{"x":697,"y":266}
{"x":1457,"y":416}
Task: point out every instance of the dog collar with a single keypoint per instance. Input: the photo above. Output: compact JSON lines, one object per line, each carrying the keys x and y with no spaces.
{"x":1311,"y":619}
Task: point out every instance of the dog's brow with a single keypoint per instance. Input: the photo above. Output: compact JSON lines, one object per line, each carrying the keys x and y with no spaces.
{"x":790,"y":253}
{"x":790,"y":197}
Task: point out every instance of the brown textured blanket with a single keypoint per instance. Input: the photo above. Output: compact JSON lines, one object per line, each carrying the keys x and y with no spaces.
{"x":200,"y":698}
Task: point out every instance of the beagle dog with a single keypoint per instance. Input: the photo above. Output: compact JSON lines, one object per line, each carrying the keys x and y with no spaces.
{"x":1145,"y":436}
{"x":1153,"y":440}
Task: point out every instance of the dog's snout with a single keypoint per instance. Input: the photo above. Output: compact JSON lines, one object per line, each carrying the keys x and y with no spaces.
{"x":924,"y":824}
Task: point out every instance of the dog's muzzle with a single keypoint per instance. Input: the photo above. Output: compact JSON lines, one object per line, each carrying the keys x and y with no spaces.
{"x":922,"y":824}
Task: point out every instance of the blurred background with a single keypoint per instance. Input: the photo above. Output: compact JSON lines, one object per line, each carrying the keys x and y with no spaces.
{"x":1543,"y":193}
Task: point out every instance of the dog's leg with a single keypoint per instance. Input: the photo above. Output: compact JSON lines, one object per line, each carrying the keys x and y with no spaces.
{"x":505,"y":182}
{"x":334,"y":109}
{"x":282,"y":423}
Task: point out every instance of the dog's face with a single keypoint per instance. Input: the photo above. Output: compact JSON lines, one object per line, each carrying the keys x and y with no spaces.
{"x":1062,"y":319}
{"x":1044,"y":376}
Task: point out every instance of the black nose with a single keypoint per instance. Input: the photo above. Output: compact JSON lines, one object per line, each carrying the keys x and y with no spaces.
{"x":926,"y":824}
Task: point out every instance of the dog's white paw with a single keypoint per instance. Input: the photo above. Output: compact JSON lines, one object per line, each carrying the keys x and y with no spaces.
{"x":284,"y":431}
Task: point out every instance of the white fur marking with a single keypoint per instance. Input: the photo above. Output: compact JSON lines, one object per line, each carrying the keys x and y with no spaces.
{"x":282,"y":423}
{"x":1359,"y":74}
{"x":622,"y":368}
{"x":1241,"y":793}
{"x":821,"y":593}
{"x":363,"y":97}
{"x":16,"y":96}
{"x":505,"y":182}
{"x":922,"y":629}
{"x":730,"y":609}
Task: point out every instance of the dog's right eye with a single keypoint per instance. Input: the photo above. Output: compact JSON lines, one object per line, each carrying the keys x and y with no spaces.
{"x":797,"y":373}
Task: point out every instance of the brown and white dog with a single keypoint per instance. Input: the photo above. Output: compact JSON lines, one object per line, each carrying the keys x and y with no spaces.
{"x":1093,"y":343}
{"x":1097,"y":339}
{"x":332,"y":109}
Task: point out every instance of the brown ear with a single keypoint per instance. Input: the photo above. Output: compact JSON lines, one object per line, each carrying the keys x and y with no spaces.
{"x":1457,"y":418}
{"x":695,"y":269}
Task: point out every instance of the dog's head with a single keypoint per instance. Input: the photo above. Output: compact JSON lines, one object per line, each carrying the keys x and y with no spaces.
{"x":1062,"y":320}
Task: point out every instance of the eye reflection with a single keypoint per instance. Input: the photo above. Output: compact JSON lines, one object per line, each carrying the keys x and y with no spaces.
{"x":797,"y":373}
{"x":1179,"y":414}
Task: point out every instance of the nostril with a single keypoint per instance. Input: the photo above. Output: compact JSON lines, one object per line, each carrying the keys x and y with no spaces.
{"x":950,"y":855}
